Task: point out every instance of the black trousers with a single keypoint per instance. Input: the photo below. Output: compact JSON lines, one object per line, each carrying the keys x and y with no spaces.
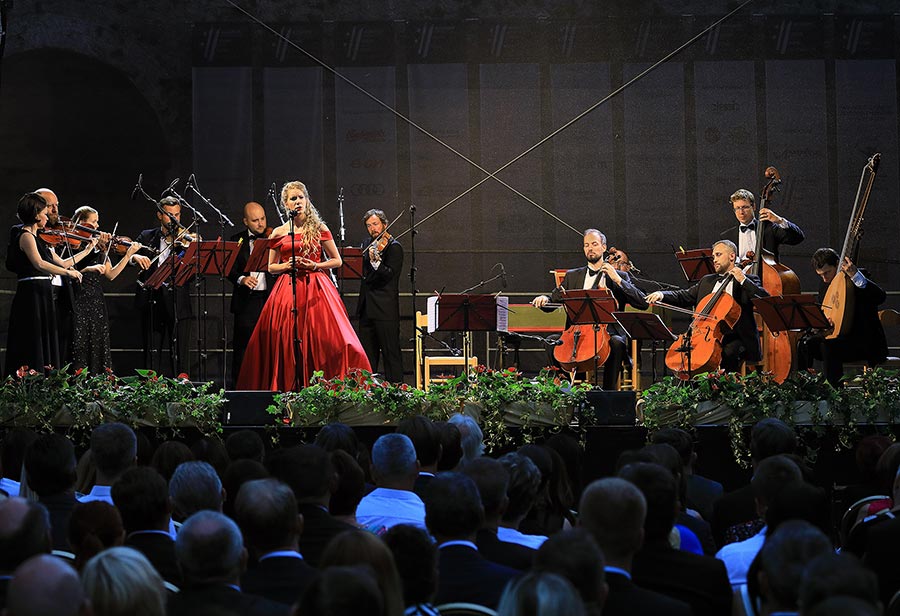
{"x":244,"y":324}
{"x":382,"y":338}
{"x":157,"y":328}
{"x":62,"y":299}
{"x":831,"y":352}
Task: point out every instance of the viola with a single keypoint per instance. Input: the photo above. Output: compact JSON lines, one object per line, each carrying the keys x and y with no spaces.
{"x":55,"y":237}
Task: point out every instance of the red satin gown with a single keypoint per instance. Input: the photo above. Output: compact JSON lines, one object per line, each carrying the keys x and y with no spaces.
{"x":327,"y":340}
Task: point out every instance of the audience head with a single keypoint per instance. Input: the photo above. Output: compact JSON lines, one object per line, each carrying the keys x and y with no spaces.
{"x":574,"y":555}
{"x":831,"y":575}
{"x":245,"y":445}
{"x":661,"y":493}
{"x":680,"y":440}
{"x":772,"y":475}
{"x":471,"y":437}
{"x":415,"y":556}
{"x":425,"y":438}
{"x":394,"y":462}
{"x":15,"y":442}
{"x":44,"y":585}
{"x":524,"y":484}
{"x":613,"y":511}
{"x":24,"y":532}
{"x":212,"y":450}
{"x":306,"y":469}
{"x":122,"y":582}
{"x":868,"y":451}
{"x":50,"y":465}
{"x":770,"y":437}
{"x":142,"y":498}
{"x":842,"y":606}
{"x":93,"y":527}
{"x":336,"y":436}
{"x":799,"y":501}
{"x":782,"y":560}
{"x":453,"y":507}
{"x":569,"y":449}
{"x":237,"y":474}
{"x":169,"y":456}
{"x":492,"y":481}
{"x":342,"y":591}
{"x":195,"y":486}
{"x":887,"y":467}
{"x":451,"y":446}
{"x":114,"y":449}
{"x":209,"y":548}
{"x":540,"y":594}
{"x":358,"y":547}
{"x":266,"y":512}
{"x":351,"y":484}
{"x":85,"y":473}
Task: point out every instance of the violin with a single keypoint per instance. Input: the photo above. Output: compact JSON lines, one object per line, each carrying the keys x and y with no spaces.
{"x":380,"y":244}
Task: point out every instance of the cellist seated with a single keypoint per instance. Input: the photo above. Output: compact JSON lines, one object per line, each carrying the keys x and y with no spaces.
{"x":741,"y":342}
{"x":598,"y":274}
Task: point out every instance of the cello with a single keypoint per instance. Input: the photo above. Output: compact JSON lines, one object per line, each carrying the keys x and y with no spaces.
{"x":582,"y":347}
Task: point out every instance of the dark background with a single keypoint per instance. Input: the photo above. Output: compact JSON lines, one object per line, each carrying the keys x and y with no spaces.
{"x":92,"y":94}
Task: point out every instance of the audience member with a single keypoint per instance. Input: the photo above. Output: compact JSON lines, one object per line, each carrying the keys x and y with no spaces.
{"x":701,"y":581}
{"x":882,"y":542}
{"x":451,"y":446}
{"x":245,"y":445}
{"x":553,"y":507}
{"x":842,"y":606}
{"x":524,"y":486}
{"x":540,"y":594}
{"x":93,"y":527}
{"x":572,"y":454}
{"x":416,"y":558}
{"x":237,"y":474}
{"x":575,"y":556}
{"x":395,"y":469}
{"x":24,"y":532}
{"x":471,"y":438}
{"x":336,"y":435}
{"x":701,"y":491}
{"x":427,"y":442}
{"x":142,"y":497}
{"x":453,"y":514}
{"x":868,"y":451}
{"x":358,"y":547}
{"x":613,"y":511}
{"x":122,"y":582}
{"x":45,"y":585}
{"x":492,"y":481}
{"x":12,"y":453}
{"x":195,"y":486}
{"x":113,"y":451}
{"x":342,"y":591}
{"x":211,"y":449}
{"x":212,"y":557}
{"x":308,"y":471}
{"x":350,"y":487}
{"x":833,"y":575}
{"x":266,"y":512}
{"x":169,"y":456}
{"x":85,"y":474}
{"x":50,"y":473}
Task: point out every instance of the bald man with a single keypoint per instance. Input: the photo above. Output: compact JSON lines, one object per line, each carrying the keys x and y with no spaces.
{"x":251,"y":289}
{"x":46,"y":585}
{"x":63,"y":294}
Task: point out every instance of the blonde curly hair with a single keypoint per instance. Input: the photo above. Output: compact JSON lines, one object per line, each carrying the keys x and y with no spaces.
{"x":311,"y":229}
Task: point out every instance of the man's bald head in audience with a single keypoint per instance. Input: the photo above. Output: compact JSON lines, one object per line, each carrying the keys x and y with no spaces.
{"x":44,"y":585}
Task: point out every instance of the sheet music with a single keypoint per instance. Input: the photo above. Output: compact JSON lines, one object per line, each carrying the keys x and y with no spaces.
{"x":432,"y":313}
{"x":502,"y":313}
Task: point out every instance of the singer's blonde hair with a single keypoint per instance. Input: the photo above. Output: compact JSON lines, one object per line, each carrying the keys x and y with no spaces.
{"x":311,"y":229}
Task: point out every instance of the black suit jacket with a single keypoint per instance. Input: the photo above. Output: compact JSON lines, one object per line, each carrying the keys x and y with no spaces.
{"x":866,"y":327}
{"x":279,"y":578}
{"x":504,"y":553}
{"x":319,"y":527}
{"x":224,"y":599}
{"x":627,"y":599}
{"x":240,"y":294}
{"x":466,"y":576}
{"x":151,"y":238}
{"x":59,"y":507}
{"x":736,"y":507}
{"x":773,"y":236}
{"x":625,"y":293}
{"x":379,"y":292}
{"x":700,"y":581}
{"x":882,"y":546}
{"x":160,"y":551}
{"x":701,"y":494}
{"x":745,"y":328}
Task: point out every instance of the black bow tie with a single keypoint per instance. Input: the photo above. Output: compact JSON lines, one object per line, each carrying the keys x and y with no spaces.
{"x":591,"y":273}
{"x":750,"y":227}
{"x":253,"y":236}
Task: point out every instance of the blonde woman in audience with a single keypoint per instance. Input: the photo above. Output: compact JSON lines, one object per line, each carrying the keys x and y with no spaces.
{"x":122,"y":582}
{"x":540,"y":594}
{"x":358,"y":547}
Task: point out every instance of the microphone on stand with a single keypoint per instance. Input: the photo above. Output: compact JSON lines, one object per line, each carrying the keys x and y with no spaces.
{"x":190,"y":183}
{"x":171,"y":186}
{"x":341,"y":212}
{"x":137,"y":187}
{"x":503,"y":281}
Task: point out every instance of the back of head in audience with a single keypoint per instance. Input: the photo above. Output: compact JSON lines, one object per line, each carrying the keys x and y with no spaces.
{"x":50,"y":465}
{"x":799,"y":501}
{"x":661,"y":493}
{"x":195,"y":486}
{"x":358,"y":547}
{"x":45,"y":585}
{"x":524,"y":485}
{"x":212,"y":450}
{"x":770,"y":437}
{"x":471,"y":437}
{"x":843,"y":606}
{"x":569,"y":449}
{"x":887,"y":467}
{"x":350,"y":487}
{"x":771,"y":476}
{"x":394,"y":462}
{"x":451,"y":446}
{"x":266,"y":512}
{"x":12,"y":453}
{"x":209,"y":548}
{"x":425,"y":437}
{"x":415,"y":556}
{"x":492,"y":481}
{"x":453,"y":508}
{"x":114,"y":450}
{"x":342,"y":591}
{"x":666,"y":456}
{"x":142,"y":497}
{"x":168,"y":456}
{"x":94,"y":527}
{"x":306,"y":469}
{"x":574,"y":555}
{"x":336,"y":436}
{"x":24,"y":532}
{"x":122,"y":582}
{"x":868,"y":450}
{"x":540,"y":594}
{"x":613,"y":511}
{"x":237,"y":474}
{"x":680,"y":440}
{"x":245,"y":445}
{"x":831,"y":575}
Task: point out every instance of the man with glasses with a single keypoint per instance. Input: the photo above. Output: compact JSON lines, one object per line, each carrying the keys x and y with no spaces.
{"x":781,"y":231}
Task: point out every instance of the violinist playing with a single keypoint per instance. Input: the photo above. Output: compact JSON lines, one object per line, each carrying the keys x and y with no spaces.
{"x":251,"y":289}
{"x":740,"y":343}
{"x":781,"y":231}
{"x":600,"y":273}
{"x":379,"y":297}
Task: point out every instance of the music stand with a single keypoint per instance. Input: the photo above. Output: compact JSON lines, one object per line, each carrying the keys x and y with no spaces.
{"x":352,"y":265}
{"x":258,"y":261}
{"x":163,"y":271}
{"x":792,"y":312}
{"x":592,"y":307}
{"x":645,"y":326}
{"x":209,"y":257}
{"x":695,"y":263}
{"x":466,"y":313}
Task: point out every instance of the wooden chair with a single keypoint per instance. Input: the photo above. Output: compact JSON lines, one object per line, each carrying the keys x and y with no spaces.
{"x":425,"y":364}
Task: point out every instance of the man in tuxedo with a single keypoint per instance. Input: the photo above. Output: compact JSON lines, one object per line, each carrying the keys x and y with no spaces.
{"x":780,"y":231}
{"x":251,"y":289}
{"x":161,"y":309}
{"x":379,"y":299}
{"x":600,"y":274}
{"x":740,"y":343}
{"x":865,"y":339}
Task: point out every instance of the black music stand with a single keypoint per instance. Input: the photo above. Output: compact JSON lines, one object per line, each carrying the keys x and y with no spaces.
{"x":258,"y":261}
{"x":466,"y":313}
{"x":645,"y":326}
{"x":592,"y":307}
{"x":792,"y":312}
{"x":695,"y":263}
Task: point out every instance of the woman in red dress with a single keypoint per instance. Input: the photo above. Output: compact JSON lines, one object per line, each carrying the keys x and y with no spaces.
{"x":327,"y":340}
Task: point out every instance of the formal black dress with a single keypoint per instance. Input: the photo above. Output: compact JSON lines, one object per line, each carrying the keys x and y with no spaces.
{"x":90,"y":349}
{"x":33,"y":338}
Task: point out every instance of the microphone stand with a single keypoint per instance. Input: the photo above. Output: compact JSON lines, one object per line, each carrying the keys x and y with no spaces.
{"x":342,"y":232}
{"x":223,"y":219}
{"x":412,"y":281}
{"x":295,"y":311}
